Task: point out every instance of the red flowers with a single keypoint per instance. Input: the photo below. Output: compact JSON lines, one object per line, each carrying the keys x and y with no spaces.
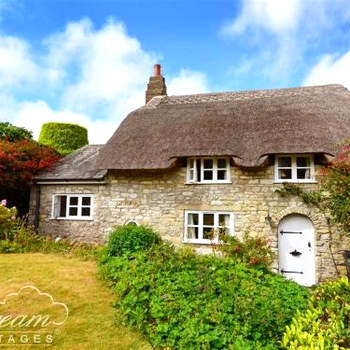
{"x":20,"y":160}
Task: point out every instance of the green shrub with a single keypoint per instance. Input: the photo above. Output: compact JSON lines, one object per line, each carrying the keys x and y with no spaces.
{"x":179,"y":300}
{"x":7,"y":220}
{"x":251,"y":251}
{"x":14,"y":133}
{"x":326,"y":323}
{"x":64,"y":137}
{"x":129,"y":239}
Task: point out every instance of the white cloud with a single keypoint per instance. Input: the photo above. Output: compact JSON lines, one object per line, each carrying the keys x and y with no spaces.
{"x":33,"y":114}
{"x":330,"y":69}
{"x":274,"y":15}
{"x":92,"y":77}
{"x":16,"y":66}
{"x":187,"y":82}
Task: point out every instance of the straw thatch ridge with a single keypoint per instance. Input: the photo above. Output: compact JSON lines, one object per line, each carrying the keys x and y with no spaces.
{"x":246,"y":125}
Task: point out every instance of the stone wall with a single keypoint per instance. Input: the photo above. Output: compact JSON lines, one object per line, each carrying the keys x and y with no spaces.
{"x":159,"y":199}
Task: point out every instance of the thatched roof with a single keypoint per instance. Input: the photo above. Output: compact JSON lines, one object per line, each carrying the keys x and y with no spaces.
{"x":79,"y":165}
{"x":247,"y":126}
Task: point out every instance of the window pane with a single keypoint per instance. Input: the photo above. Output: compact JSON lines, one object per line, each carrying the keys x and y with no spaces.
{"x":63,"y":205}
{"x":221,"y":174}
{"x":208,"y":233}
{"x":303,"y":174}
{"x":85,"y":211}
{"x":192,"y":219}
{"x":221,"y":163}
{"x":73,"y":201}
{"x":224,"y":220}
{"x":303,"y":161}
{"x":73,"y":211}
{"x":191,"y":176}
{"x":285,"y":174}
{"x":285,"y":162}
{"x":208,"y":219}
{"x":208,"y":175}
{"x":191,"y":163}
{"x":198,"y":166}
{"x":192,"y":232}
{"x":86,"y":201}
{"x":208,"y":163}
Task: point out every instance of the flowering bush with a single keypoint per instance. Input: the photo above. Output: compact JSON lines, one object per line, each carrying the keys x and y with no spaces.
{"x":7,"y":220}
{"x":251,"y":251}
{"x":20,"y":160}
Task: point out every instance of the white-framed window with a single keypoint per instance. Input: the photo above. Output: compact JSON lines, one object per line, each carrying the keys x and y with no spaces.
{"x":72,"y":206}
{"x":204,"y":227}
{"x":294,"y":168}
{"x":208,"y":170}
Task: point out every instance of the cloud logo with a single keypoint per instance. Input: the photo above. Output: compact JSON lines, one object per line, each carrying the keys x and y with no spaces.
{"x":31,"y":308}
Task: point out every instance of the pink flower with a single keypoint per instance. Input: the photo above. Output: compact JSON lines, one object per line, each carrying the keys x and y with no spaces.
{"x":4,"y":202}
{"x":163,"y":296}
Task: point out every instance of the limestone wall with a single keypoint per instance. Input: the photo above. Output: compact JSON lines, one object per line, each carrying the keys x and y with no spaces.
{"x":159,"y":199}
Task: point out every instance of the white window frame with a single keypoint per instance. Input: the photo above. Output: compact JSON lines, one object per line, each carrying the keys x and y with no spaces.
{"x":294,"y":168}
{"x":79,"y":206}
{"x":200,"y":225}
{"x":215,"y":170}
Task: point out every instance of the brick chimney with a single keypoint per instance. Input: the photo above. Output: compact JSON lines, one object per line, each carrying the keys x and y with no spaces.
{"x":156,"y":85}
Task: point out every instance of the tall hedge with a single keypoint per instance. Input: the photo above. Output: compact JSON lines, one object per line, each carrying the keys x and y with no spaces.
{"x":64,"y":137}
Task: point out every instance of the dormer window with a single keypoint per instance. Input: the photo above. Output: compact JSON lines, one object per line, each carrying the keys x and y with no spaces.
{"x":294,"y":168}
{"x":208,"y":170}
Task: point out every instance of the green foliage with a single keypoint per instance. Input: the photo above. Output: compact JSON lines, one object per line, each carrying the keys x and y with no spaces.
{"x":131,"y":238}
{"x":311,"y":197}
{"x":22,"y":238}
{"x":325,"y":325}
{"x":180,"y":300}
{"x":251,"y":251}
{"x":14,"y":133}
{"x":7,"y":220}
{"x":64,"y":137}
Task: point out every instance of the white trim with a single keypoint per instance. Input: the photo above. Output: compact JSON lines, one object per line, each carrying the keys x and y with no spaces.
{"x":294,"y":168}
{"x":214,"y":170}
{"x":79,"y":207}
{"x":200,"y":225}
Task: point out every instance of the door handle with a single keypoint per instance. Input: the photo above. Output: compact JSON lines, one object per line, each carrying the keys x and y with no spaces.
{"x":309,"y":244}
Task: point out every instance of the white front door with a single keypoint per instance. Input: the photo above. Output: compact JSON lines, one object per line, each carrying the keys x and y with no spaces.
{"x":296,"y":249}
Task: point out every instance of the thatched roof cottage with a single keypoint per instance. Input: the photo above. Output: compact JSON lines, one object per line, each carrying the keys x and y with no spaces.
{"x":189,"y":165}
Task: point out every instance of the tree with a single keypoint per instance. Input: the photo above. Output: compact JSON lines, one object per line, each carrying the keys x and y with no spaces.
{"x":19,"y":162}
{"x":64,"y":137}
{"x":14,"y":133}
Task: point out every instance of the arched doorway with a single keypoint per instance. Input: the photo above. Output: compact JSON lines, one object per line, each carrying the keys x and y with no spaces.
{"x":296,"y":248}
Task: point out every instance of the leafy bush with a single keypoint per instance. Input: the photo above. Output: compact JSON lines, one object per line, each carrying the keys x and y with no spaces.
{"x":7,"y":220}
{"x":19,"y":162}
{"x":326,"y":323}
{"x":14,"y":133}
{"x":22,"y":238}
{"x":183,"y":301}
{"x":129,"y":239}
{"x":64,"y":137}
{"x":251,"y":251}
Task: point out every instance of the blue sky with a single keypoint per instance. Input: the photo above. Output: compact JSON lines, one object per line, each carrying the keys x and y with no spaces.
{"x":88,"y":61}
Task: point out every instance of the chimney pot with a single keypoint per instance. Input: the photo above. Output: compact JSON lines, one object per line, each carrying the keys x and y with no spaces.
{"x":157,"y":69}
{"x":156,"y":85}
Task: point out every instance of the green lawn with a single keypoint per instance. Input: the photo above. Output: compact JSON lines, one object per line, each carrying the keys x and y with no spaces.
{"x":92,"y":322}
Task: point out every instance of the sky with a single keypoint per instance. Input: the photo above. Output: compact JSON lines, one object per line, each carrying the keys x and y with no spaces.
{"x":89,"y":61}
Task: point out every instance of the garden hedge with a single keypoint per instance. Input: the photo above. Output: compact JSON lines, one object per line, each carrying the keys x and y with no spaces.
{"x":64,"y":137}
{"x":179,"y":300}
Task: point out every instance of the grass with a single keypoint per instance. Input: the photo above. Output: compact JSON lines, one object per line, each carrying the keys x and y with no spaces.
{"x":92,"y":321}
